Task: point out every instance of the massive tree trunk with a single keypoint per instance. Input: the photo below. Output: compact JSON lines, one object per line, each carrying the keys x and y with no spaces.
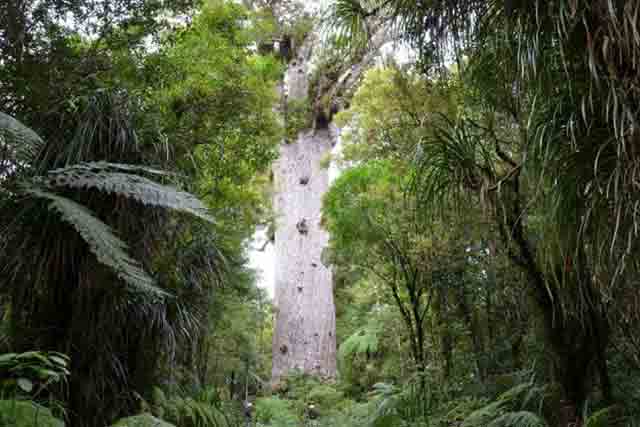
{"x":304,"y":337}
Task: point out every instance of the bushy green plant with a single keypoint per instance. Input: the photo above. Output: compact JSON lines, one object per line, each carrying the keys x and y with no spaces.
{"x":31,"y":372}
{"x":325,"y":397}
{"x":455,"y":411}
{"x":25,"y":413}
{"x":201,"y":410}
{"x":611,"y":416}
{"x":514,"y":406}
{"x":276,"y":412}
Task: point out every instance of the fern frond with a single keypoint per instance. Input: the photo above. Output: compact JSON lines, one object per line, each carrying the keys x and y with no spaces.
{"x":483,"y":416}
{"x":136,"y":187}
{"x":21,"y":143}
{"x":510,"y":408}
{"x":607,"y":417}
{"x":108,"y":249}
{"x":113,"y":167}
{"x":518,"y":419}
{"x":189,"y":412}
{"x":362,"y":341}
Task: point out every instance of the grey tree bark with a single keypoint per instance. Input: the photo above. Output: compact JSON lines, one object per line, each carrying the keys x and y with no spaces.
{"x":304,"y":336}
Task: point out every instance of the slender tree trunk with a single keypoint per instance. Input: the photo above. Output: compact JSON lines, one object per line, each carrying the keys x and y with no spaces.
{"x":577,"y":339}
{"x":475,"y":329}
{"x":304,"y":336}
{"x":446,"y":338}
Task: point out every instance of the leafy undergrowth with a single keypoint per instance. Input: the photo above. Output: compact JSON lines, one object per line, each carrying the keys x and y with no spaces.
{"x":307,"y":402}
{"x":24,"y":413}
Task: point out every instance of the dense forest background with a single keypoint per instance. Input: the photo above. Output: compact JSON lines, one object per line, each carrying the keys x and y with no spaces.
{"x":483,"y":229}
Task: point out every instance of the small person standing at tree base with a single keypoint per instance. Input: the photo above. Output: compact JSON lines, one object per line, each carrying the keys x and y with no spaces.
{"x":247,"y":407}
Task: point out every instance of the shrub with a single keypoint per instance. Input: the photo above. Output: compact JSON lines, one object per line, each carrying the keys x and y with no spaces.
{"x":275,"y":412}
{"x":326,"y":399}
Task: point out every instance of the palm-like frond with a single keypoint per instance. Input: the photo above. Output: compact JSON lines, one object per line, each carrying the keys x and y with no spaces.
{"x":108,"y":249}
{"x":452,"y":162}
{"x":102,"y":126}
{"x":430,"y":27}
{"x":347,"y":20}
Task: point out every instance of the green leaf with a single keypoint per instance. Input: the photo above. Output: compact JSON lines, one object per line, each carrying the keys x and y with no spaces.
{"x":59,"y":360}
{"x":25,"y":384}
{"x":7,"y":357}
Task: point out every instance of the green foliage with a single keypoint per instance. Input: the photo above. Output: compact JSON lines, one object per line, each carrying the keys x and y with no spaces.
{"x":392,"y":111}
{"x":108,"y":249}
{"x":142,"y":420}
{"x":24,"y":145}
{"x":326,"y":399}
{"x":611,"y":416}
{"x":201,"y":411}
{"x":518,"y":419}
{"x":32,"y":372}
{"x":126,"y":100}
{"x":24,"y":413}
{"x":536,"y":140}
{"x":363,"y":341}
{"x":511,"y":174}
{"x":276,"y":412}
{"x":520,"y":406}
{"x":125,"y":181}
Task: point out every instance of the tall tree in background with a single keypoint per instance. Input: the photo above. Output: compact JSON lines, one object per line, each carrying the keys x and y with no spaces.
{"x":304,"y":337}
{"x":316,"y":82}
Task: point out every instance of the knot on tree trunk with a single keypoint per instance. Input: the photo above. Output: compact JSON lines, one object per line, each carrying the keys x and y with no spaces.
{"x":302,"y":226}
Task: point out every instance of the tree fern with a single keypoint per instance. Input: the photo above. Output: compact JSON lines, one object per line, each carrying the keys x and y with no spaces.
{"x":362,"y":341}
{"x":54,"y":247}
{"x":108,"y":249}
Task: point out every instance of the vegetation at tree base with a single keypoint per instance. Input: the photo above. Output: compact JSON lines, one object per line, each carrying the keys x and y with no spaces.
{"x":483,"y":227}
